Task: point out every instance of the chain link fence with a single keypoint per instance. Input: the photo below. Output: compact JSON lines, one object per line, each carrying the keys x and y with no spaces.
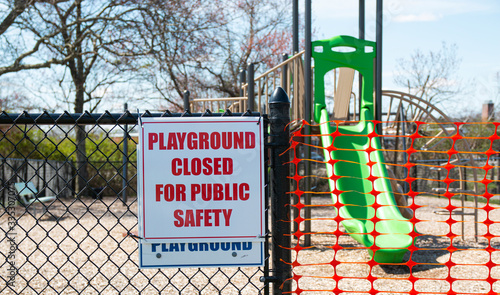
{"x":72,"y":234}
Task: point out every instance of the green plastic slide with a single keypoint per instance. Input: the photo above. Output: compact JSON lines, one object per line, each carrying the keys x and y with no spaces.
{"x":369,"y":211}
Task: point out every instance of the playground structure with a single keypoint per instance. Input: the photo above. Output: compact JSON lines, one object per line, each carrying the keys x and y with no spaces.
{"x":398,"y":120}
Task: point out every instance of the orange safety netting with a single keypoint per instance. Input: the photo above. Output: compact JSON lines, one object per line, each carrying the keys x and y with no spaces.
{"x":448,"y":173}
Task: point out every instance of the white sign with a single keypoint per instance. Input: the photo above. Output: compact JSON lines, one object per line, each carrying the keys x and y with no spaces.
{"x":201,"y":191}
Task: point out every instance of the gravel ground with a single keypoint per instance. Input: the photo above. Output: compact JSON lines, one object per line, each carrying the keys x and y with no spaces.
{"x":82,"y":247}
{"x":78,"y":250}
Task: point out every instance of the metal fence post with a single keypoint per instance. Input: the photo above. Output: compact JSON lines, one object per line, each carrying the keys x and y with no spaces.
{"x":279,"y":106}
{"x":378,"y":64}
{"x":307,"y":116}
{"x":125,"y":159}
{"x":251,"y":87}
{"x":187,"y":106}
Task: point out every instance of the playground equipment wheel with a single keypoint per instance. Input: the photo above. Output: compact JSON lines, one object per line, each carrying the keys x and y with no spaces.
{"x":399,"y":121}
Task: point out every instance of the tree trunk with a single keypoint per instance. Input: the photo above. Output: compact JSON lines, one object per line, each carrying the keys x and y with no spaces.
{"x":81,"y":188}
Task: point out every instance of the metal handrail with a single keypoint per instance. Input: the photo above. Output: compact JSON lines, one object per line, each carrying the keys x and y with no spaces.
{"x":288,"y":74}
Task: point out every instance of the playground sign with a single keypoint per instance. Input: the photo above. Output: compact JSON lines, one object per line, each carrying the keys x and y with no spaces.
{"x":201,"y":192}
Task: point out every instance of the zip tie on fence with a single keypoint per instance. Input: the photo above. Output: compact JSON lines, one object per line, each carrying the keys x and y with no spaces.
{"x":135,"y":237}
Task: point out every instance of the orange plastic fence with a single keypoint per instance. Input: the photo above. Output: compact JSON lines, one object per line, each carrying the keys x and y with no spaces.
{"x":449,"y":173}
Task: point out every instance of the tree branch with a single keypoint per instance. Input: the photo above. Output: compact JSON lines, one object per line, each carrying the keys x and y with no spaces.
{"x":19,"y":7}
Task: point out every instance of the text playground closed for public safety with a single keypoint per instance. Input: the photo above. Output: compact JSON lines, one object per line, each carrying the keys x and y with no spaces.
{"x":201,"y":191}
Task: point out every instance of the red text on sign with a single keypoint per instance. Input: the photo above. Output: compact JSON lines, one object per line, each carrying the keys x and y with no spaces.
{"x":171,"y":192}
{"x":205,"y":166}
{"x":201,"y":140}
{"x":205,"y":191}
{"x":220,"y":192}
{"x":202,"y":217}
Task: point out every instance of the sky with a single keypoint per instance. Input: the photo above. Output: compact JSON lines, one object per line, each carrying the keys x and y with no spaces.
{"x":473,"y":25}
{"x":409,"y":25}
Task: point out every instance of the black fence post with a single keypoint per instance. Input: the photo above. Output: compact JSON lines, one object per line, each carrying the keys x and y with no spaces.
{"x":279,"y":106}
{"x":125,"y":159}
{"x":251,"y":87}
{"x":308,"y":102}
{"x":187,"y":106}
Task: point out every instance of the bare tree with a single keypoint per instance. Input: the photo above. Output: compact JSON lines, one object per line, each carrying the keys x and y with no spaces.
{"x":432,"y":76}
{"x":202,"y":45}
{"x":175,"y":35}
{"x":256,"y":32}
{"x":80,"y":36}
{"x":11,"y":10}
{"x":14,"y":57}
{"x":13,"y":102}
